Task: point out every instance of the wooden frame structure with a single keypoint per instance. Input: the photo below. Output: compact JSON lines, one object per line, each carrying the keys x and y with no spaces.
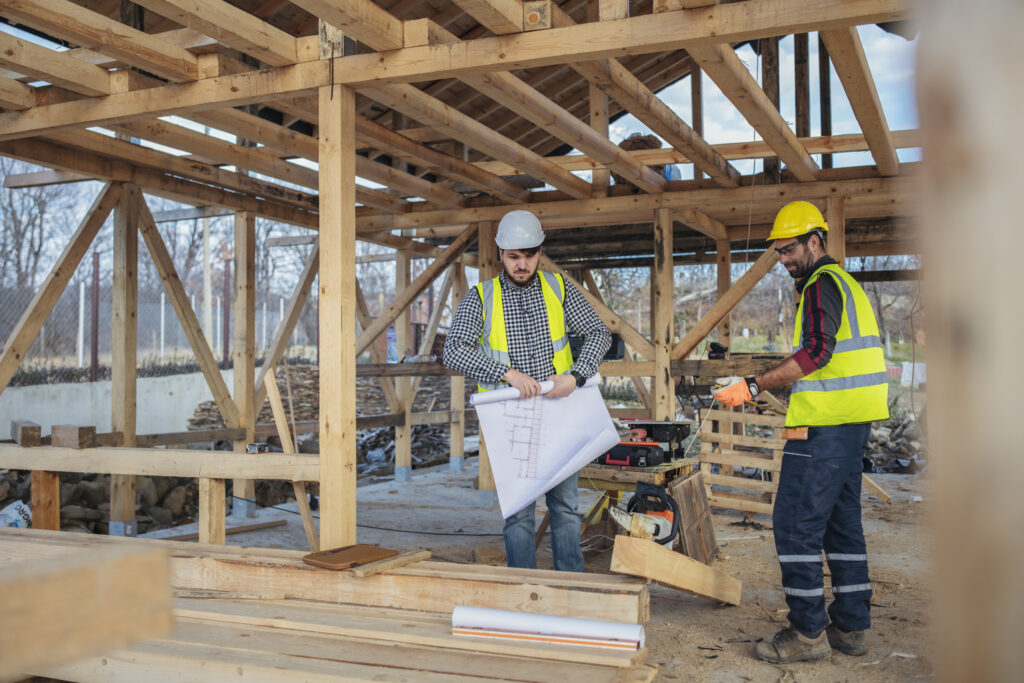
{"x":463,"y":110}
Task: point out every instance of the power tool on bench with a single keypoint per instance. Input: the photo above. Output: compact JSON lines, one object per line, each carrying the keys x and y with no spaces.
{"x":650,"y":443}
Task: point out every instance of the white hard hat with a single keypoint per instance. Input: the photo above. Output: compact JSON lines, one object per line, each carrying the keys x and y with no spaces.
{"x":519,"y":230}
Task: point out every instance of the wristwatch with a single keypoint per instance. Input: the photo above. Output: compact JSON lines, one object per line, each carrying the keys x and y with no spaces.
{"x":752,"y":386}
{"x":580,"y":379}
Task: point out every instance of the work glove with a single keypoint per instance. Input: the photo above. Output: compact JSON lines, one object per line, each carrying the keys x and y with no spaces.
{"x":735,"y":391}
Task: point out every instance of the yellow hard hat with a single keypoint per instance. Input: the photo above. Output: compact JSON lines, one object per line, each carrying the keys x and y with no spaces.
{"x":796,"y":219}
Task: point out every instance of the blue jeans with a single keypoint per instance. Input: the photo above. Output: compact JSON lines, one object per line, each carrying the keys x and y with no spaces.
{"x":818,"y":508}
{"x":565,"y":530}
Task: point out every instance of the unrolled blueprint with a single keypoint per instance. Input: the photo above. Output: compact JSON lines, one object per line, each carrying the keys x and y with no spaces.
{"x":535,"y":443}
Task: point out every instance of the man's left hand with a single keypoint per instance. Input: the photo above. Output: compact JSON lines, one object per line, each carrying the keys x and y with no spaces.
{"x":735,"y":394}
{"x":564,"y":385}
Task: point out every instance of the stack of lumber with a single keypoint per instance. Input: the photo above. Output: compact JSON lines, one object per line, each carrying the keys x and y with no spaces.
{"x":263,"y":614}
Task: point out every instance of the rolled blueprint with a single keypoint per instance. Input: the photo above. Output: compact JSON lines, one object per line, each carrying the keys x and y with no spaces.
{"x":506,"y":393}
{"x":480,"y":622}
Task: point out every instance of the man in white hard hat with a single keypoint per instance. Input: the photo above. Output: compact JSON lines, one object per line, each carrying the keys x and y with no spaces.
{"x":513,"y":331}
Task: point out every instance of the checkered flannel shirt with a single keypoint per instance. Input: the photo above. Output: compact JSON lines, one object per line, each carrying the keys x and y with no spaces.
{"x":529,"y":337}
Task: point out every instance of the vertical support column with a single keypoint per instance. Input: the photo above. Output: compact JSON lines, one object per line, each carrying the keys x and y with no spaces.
{"x":600,"y":177}
{"x":770,"y":84}
{"x":825,"y":96}
{"x":835,"y":215}
{"x":489,"y":266}
{"x":723,"y":260}
{"x":457,"y":402}
{"x":337,"y":320}
{"x":243,"y":353}
{"x":697,"y":108}
{"x":403,"y":385}
{"x":123,"y":354}
{"x":662,"y":318}
{"x":211,"y":511}
{"x":801,"y":56}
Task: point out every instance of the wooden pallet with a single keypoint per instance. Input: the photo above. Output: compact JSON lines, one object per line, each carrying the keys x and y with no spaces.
{"x":724,"y":442}
{"x":263,"y":615}
{"x":696,"y":530}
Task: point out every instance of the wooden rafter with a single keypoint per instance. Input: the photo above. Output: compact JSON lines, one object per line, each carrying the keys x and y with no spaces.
{"x":360,"y":19}
{"x":847,"y":53}
{"x":40,"y":62}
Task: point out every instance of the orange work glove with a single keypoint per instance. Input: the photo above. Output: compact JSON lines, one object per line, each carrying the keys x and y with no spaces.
{"x":735,"y":394}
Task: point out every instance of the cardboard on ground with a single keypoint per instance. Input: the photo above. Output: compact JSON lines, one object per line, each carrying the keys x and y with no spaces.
{"x":534,"y":444}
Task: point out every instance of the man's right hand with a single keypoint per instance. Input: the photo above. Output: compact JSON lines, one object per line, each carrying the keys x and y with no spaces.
{"x":528,"y":387}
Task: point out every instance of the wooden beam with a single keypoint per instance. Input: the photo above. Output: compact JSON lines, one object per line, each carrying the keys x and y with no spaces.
{"x":80,"y":604}
{"x":25,"y":330}
{"x":725,"y":304}
{"x":802,"y":84}
{"x":161,"y":462}
{"x":422,"y":281}
{"x":723,"y":267}
{"x":835,"y":216}
{"x":187,"y":316}
{"x":734,"y":80}
{"x":45,"y":499}
{"x":40,"y":178}
{"x":42,"y":63}
{"x":403,"y":385}
{"x":337,"y":324}
{"x":243,"y":346}
{"x":15,"y":94}
{"x":80,"y":26}
{"x":457,"y":384}
{"x":501,"y":17}
{"x":663,"y":317}
{"x":847,"y":53}
{"x":124,"y":347}
{"x":422,"y":107}
{"x":231,"y":26}
{"x":642,"y":557}
{"x":769,"y":49}
{"x":360,"y":19}
{"x":636,"y":35}
{"x":407,"y":183}
{"x":702,"y":223}
{"x":212,"y":510}
{"x":612,"y":320}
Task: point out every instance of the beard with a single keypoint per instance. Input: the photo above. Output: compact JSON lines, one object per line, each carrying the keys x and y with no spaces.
{"x":520,"y":278}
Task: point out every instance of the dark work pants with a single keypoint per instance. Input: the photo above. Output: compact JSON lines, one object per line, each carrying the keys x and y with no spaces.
{"x":818,"y":508}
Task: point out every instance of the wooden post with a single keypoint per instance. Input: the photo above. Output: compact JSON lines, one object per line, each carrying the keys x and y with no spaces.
{"x":600,"y":177}
{"x":123,"y":354}
{"x":457,"y":402}
{"x":770,"y":84}
{"x":403,"y":385}
{"x":489,"y":266}
{"x":45,"y":495}
{"x":697,"y":107}
{"x":211,"y":511}
{"x":243,"y":354}
{"x":835,"y":216}
{"x":337,"y":147}
{"x":723,"y":261}
{"x":825,"y":96}
{"x":801,"y":55}
{"x":662,"y":320}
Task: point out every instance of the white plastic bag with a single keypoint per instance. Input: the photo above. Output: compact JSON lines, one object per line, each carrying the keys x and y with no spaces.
{"x":16,"y":514}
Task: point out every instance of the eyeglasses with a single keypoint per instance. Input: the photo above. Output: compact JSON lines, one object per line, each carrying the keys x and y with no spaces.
{"x":790,"y":248}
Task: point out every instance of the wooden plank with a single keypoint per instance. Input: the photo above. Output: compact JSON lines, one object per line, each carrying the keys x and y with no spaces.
{"x":663,"y":318}
{"x":641,"y":557}
{"x":763,"y":419}
{"x":723,"y":271}
{"x":187,"y":316}
{"x":437,"y":586}
{"x":231,"y":26}
{"x":499,"y":16}
{"x":400,"y":560}
{"x":725,"y":304}
{"x":25,"y":330}
{"x":231,"y":530}
{"x":124,"y":347}
{"x":243,"y":344}
{"x":29,"y":59}
{"x":737,"y":502}
{"x":659,"y":474}
{"x":360,"y":19}
{"x":337,"y":324}
{"x":403,"y":385}
{"x":84,"y":27}
{"x":161,"y":462}
{"x":740,"y":459}
{"x":696,"y":529}
{"x":26,"y":433}
{"x":64,"y":608}
{"x":835,"y":210}
{"x":710,"y":437}
{"x":15,"y":94}
{"x":73,"y":436}
{"x":377,"y":355}
{"x":742,"y":483}
{"x":873,"y":486}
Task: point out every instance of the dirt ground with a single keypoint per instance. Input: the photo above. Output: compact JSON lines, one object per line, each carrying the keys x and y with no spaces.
{"x":687,"y":637}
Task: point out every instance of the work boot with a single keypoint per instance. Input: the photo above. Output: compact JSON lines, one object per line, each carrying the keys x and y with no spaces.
{"x":789,"y":645}
{"x":848,"y":642}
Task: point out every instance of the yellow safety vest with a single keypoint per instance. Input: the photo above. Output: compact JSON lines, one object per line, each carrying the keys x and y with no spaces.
{"x":853,"y":386}
{"x":493,"y":340}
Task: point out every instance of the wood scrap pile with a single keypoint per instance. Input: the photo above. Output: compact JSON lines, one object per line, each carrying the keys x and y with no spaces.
{"x":258,"y":613}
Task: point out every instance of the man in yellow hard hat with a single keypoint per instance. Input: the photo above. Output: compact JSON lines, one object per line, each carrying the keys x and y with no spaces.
{"x":839,"y":387}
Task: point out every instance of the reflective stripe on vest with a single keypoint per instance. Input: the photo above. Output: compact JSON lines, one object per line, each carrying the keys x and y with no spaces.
{"x":493,"y":341}
{"x":853,"y":386}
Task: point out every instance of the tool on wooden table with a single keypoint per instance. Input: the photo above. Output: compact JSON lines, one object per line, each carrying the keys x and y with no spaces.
{"x":651,"y":513}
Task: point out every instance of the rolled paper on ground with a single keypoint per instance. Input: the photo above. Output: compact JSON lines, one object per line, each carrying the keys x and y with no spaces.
{"x":480,"y":622}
